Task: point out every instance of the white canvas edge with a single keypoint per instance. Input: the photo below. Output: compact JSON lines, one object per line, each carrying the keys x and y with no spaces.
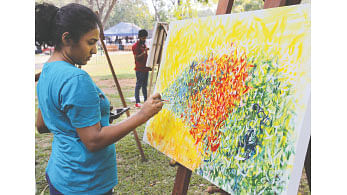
{"x":301,"y":149}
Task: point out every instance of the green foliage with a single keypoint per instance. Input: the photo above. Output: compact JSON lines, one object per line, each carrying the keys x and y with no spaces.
{"x":133,"y":11}
{"x":137,"y":11}
{"x":188,"y":9}
{"x":247,"y":5}
{"x":184,"y":10}
{"x":161,"y":9}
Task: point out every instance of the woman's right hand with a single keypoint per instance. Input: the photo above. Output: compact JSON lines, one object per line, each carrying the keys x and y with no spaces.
{"x":96,"y":137}
{"x":152,"y":106}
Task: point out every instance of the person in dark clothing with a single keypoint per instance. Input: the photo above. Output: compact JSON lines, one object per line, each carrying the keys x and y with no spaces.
{"x":140,"y":54}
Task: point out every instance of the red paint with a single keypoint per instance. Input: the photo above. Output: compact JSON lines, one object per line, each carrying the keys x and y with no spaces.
{"x":219,"y":98}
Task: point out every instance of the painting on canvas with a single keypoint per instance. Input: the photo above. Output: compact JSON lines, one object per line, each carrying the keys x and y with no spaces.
{"x":238,"y":87}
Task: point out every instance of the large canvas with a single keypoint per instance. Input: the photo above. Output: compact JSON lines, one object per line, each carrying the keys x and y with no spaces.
{"x":239,"y":91}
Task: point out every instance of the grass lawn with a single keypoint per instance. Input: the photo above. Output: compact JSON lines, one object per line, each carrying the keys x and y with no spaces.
{"x":134,"y":177}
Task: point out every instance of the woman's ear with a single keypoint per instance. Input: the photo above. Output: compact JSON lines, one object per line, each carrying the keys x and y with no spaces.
{"x":66,"y":38}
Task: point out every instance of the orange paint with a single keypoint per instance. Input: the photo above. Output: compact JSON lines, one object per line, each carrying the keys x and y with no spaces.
{"x":212,"y":105}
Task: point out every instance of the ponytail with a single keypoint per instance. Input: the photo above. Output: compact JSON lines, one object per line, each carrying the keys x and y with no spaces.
{"x":45,"y":15}
{"x":51,"y":22}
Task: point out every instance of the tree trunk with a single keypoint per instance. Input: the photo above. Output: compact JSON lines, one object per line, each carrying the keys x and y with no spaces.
{"x":109,"y":9}
{"x":155,"y":12}
{"x":100,"y":10}
{"x":106,"y":6}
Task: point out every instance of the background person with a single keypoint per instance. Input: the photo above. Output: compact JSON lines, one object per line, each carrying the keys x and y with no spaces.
{"x":140,"y":54}
{"x":74,"y":109}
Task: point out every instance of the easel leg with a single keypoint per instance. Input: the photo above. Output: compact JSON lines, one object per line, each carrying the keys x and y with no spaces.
{"x":181,"y":181}
{"x":308,"y":164}
{"x":151,"y":80}
{"x":102,"y":37}
{"x":138,"y":143}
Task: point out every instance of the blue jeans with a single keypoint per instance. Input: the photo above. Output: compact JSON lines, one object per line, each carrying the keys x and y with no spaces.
{"x":53,"y":191}
{"x":141,"y":82}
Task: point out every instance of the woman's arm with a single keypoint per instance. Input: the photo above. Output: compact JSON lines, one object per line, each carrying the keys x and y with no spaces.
{"x":96,"y":138}
{"x":40,"y":124}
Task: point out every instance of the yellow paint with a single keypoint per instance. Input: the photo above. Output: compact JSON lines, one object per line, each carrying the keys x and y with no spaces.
{"x":172,"y":138}
{"x":283,"y":141}
{"x":277,"y":32}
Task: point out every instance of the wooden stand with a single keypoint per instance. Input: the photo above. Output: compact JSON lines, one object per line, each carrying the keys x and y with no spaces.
{"x":307,"y":164}
{"x":102,"y":38}
{"x":182,"y":180}
{"x":183,"y":174}
{"x":160,"y":33}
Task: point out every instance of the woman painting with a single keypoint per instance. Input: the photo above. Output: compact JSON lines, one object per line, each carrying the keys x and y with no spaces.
{"x":74,"y":109}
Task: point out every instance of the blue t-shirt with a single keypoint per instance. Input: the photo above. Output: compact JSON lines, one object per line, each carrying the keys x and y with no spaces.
{"x":69,"y":99}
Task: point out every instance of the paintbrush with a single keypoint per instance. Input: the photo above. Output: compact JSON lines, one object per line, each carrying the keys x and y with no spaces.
{"x":166,"y":101}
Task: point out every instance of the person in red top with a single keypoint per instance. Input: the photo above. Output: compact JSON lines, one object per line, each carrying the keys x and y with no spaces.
{"x":140,"y":54}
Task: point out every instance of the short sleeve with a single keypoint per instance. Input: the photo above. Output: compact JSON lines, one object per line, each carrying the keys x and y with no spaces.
{"x":80,"y":101}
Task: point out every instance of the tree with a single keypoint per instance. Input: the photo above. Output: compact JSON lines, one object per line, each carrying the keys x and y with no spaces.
{"x":247,"y":5}
{"x":206,"y":12}
{"x":104,"y":7}
{"x":184,"y":9}
{"x":133,"y":11}
{"x":161,"y":13}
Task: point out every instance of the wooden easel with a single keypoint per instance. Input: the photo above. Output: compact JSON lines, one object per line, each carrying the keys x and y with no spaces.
{"x":157,"y":47}
{"x":183,"y":174}
{"x":102,"y":38}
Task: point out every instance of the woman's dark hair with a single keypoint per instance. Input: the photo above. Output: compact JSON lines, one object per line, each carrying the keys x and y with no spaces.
{"x":143,"y":33}
{"x":51,"y":22}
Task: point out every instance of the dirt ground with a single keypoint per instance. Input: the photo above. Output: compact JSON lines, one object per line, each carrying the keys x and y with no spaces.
{"x":109,"y":87}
